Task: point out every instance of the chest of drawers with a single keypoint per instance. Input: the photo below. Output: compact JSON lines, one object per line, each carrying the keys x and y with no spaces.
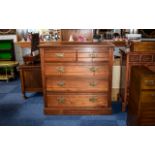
{"x":141,"y":106}
{"x":128,"y":60}
{"x":77,"y":78}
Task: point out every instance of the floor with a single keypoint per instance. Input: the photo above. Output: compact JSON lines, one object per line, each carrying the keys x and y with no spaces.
{"x":16,"y":111}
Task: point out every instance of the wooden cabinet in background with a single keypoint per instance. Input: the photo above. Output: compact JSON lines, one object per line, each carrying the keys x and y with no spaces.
{"x":141,"y":105}
{"x":141,"y":57}
{"x":77,"y":77}
{"x":30,"y":75}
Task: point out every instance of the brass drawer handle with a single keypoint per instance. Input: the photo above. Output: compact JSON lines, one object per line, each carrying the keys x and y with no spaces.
{"x":93,"y":84}
{"x":60,"y":69}
{"x":93,"y":55}
{"x":93,"y":69}
{"x":150,"y":82}
{"x":59,"y":55}
{"x":93,"y":99}
{"x":61,"y":83}
{"x":61,"y":100}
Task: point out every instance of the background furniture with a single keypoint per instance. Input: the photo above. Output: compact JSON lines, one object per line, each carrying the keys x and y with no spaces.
{"x":7,"y":60}
{"x":30,"y":75}
{"x":34,"y":55}
{"x":76,"y":33}
{"x":140,"y":57}
{"x":141,"y":106}
{"x":77,"y":77}
{"x":7,"y":69}
{"x":7,"y":52}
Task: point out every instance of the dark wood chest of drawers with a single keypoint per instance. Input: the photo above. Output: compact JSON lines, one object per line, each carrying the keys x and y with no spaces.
{"x":128,"y":60}
{"x":141,"y":106}
{"x":77,"y":78}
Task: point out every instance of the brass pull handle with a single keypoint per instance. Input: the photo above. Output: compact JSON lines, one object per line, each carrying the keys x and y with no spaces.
{"x":150,"y":82}
{"x":93,"y":84}
{"x":59,"y":55}
{"x":61,"y":83}
{"x":93,"y":55}
{"x":93,"y":69}
{"x":61,"y":100}
{"x":93,"y":99}
{"x":60,"y":69}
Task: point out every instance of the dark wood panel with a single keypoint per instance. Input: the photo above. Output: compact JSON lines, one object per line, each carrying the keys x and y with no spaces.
{"x":31,"y":80}
{"x":141,"y":106}
{"x":143,"y":46}
{"x":136,"y":57}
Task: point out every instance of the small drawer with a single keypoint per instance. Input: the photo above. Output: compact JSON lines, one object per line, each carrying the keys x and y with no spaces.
{"x":134,"y":58}
{"x":148,"y":83}
{"x":148,"y":96}
{"x":77,"y":100}
{"x":60,"y":55}
{"x":89,"y":84}
{"x":146,"y":58}
{"x":93,"y":56}
{"x":78,"y":70}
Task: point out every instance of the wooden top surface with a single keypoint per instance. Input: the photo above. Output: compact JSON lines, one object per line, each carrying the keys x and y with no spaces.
{"x":30,"y":65}
{"x":76,"y":44}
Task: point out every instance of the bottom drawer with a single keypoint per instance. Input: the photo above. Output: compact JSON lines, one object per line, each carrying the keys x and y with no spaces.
{"x":77,"y":100}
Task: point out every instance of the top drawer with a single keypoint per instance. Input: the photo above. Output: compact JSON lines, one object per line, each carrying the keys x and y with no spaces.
{"x":93,"y":55}
{"x":60,"y":55}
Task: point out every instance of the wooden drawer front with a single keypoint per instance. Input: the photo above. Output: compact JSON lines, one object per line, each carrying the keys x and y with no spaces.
{"x":148,"y":83}
{"x":146,"y":58}
{"x":134,"y":58}
{"x":147,"y":97}
{"x":76,"y":100}
{"x":78,"y":70}
{"x":93,"y":56}
{"x":60,"y":55}
{"x":76,"y":85}
{"x":148,"y":113}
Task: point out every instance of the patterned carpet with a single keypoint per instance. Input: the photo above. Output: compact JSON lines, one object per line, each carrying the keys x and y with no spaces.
{"x":16,"y":111}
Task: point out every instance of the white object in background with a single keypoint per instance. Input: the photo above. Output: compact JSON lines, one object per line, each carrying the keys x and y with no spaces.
{"x":116,"y":77}
{"x":133,"y":36}
{"x":133,"y":31}
{"x":8,"y":37}
{"x":71,"y":38}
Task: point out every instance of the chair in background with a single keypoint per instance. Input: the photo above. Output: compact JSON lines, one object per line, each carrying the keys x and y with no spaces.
{"x":7,"y":60}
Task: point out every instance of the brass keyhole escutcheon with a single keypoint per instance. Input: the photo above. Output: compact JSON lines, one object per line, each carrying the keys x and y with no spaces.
{"x":93,"y":99}
{"x":93,"y":83}
{"x":61,"y":83}
{"x":93,"y":69}
{"x":61,"y":100}
{"x":93,"y":55}
{"x":60,"y":69}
